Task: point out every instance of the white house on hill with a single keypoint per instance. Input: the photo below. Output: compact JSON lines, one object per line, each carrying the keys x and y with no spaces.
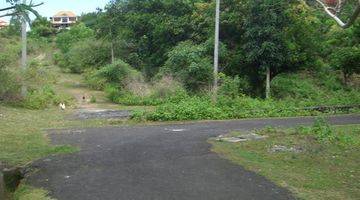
{"x":63,"y":19}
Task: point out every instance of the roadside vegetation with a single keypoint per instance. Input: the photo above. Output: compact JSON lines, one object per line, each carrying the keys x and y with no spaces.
{"x":324,"y":164}
{"x":166,"y":62}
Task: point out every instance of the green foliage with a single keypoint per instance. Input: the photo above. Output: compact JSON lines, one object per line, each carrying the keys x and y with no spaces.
{"x":41,"y":27}
{"x":202,"y":107}
{"x":94,"y":80}
{"x":166,"y":88}
{"x":9,"y":86}
{"x":311,"y":169}
{"x":44,"y":97}
{"x":233,"y":87}
{"x":151,"y":28}
{"x":347,"y":59}
{"x":86,"y":54}
{"x":324,"y":133}
{"x":294,"y":86}
{"x":194,"y":108}
{"x":93,"y":99}
{"x":264,"y":44}
{"x":118,"y":73}
{"x":323,"y":130}
{"x":307,"y":89}
{"x":40,"y":98}
{"x":67,"y":38}
{"x":189,"y":63}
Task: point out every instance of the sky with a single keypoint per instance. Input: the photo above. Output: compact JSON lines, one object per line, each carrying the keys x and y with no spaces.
{"x":51,"y":7}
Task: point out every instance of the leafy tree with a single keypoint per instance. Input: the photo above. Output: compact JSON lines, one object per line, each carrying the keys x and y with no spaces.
{"x":189,"y":63}
{"x":67,"y":38}
{"x":347,"y":59}
{"x":153,"y":28}
{"x":264,"y":38}
{"x":87,"y":54}
{"x":41,"y":27}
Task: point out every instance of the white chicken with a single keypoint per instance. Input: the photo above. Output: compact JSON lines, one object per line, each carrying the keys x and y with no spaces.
{"x":62,"y":106}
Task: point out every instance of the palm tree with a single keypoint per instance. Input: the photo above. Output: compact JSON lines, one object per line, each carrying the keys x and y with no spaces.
{"x":22,"y":11}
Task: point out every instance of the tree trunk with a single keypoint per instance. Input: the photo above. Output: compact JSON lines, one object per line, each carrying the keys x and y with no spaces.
{"x":268,"y":74}
{"x":23,"y":52}
{"x":112,"y":45}
{"x":112,"y":52}
{"x":346,"y":79}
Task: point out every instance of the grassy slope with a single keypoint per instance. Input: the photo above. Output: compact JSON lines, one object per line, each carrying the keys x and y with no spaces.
{"x":324,"y":171}
{"x":22,"y":136}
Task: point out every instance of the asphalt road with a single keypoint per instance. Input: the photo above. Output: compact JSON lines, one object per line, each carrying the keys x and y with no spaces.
{"x":168,"y":162}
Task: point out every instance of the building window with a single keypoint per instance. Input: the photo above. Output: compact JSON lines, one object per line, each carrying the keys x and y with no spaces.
{"x":72,"y":19}
{"x":65,"y":19}
{"x":57,"y":19}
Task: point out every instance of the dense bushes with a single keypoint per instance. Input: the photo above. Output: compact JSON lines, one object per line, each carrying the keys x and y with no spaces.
{"x":118,"y":74}
{"x":80,"y":51}
{"x":322,"y":88}
{"x":87,"y":54}
{"x":38,"y":77}
{"x":190,"y":64}
{"x":125,"y":85}
{"x":67,"y":38}
{"x":9,"y":51}
{"x":200,"y":108}
{"x":294,"y":93}
{"x":347,"y":60}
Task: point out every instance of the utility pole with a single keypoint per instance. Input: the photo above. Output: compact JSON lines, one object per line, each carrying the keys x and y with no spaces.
{"x":24,"y":50}
{"x":216,"y":50}
{"x":268,"y":79}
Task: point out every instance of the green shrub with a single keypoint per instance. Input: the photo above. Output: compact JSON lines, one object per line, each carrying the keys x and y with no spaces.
{"x":44,"y":97}
{"x":9,"y":87}
{"x":321,"y":89}
{"x":162,"y":91}
{"x":189,"y":63}
{"x":112,"y":92}
{"x":194,"y":108}
{"x":167,"y":87}
{"x":118,"y":73}
{"x":323,"y":131}
{"x":233,"y":87}
{"x":40,"y":99}
{"x":92,"y":99}
{"x":200,"y":108}
{"x":293,"y":86}
{"x":87,"y":54}
{"x":347,"y":59}
{"x":67,"y":38}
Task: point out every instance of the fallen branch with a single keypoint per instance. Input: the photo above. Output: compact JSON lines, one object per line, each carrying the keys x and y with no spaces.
{"x":332,"y":14}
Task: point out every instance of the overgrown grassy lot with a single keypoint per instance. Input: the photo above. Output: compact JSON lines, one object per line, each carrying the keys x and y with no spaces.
{"x":22,"y":137}
{"x":327,"y":168}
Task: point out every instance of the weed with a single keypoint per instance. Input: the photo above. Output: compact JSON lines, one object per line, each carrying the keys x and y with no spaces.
{"x":92,"y":99}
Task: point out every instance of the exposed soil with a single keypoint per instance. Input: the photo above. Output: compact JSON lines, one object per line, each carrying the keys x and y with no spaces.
{"x":85,"y":109}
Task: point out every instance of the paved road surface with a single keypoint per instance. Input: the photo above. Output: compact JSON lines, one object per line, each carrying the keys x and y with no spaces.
{"x":169,"y":162}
